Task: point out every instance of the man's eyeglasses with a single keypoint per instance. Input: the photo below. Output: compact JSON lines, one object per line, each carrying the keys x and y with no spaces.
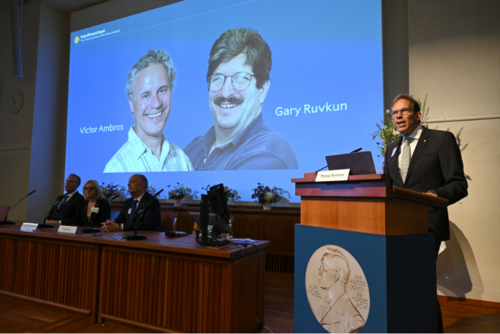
{"x":404,"y":112}
{"x":89,"y":188}
{"x":240,"y":81}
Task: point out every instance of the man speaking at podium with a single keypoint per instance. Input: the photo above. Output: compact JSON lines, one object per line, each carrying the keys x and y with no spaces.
{"x":142,"y":208}
{"x":427,"y":161}
{"x":64,"y":208}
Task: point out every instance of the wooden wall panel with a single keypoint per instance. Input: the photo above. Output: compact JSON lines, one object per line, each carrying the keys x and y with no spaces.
{"x":178,"y":294}
{"x":46,"y":271}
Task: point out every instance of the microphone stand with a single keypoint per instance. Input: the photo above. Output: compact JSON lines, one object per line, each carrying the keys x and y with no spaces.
{"x":44,"y":225}
{"x":90,"y":229}
{"x":8,"y":222}
{"x":112,"y":198}
{"x":136,"y":236}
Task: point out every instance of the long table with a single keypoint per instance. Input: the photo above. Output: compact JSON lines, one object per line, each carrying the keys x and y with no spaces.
{"x":276,"y":225}
{"x":160,"y":284}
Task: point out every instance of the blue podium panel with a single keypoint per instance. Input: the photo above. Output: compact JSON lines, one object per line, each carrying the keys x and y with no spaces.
{"x":383,"y":283}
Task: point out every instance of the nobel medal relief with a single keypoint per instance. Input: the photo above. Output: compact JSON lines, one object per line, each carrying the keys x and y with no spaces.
{"x":337,"y":290}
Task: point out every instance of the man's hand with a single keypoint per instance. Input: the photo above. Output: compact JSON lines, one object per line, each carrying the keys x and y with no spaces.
{"x":109,"y":226}
{"x":52,"y":222}
{"x":432,"y":193}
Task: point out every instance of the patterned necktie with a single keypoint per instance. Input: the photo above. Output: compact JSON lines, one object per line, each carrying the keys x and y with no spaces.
{"x":61,"y":203}
{"x":405,"y":158}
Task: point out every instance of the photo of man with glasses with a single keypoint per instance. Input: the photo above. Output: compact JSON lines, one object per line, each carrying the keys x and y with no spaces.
{"x":238,"y":82}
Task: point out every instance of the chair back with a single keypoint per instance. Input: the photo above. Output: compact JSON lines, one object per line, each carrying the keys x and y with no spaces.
{"x":3,"y":211}
{"x":168,"y":221}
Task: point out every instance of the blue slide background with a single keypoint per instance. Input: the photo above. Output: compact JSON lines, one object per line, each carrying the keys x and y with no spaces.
{"x":322,"y":51}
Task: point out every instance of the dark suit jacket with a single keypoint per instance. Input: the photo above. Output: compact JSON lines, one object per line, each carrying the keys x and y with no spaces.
{"x":151,"y":217}
{"x":104,"y":213}
{"x":67,"y":211}
{"x":436,"y":164}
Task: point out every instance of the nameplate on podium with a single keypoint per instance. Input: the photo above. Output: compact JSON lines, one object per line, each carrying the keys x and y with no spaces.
{"x":333,"y":175}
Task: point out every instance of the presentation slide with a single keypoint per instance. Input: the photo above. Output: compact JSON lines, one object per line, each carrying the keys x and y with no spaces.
{"x":225,"y":91}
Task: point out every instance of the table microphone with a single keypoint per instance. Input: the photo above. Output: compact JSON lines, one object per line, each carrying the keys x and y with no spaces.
{"x":136,"y":236}
{"x":7,"y":222}
{"x":90,"y":229}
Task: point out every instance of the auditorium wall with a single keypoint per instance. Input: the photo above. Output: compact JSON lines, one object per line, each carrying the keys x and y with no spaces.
{"x":455,"y":60}
{"x":454,"y":57}
{"x":15,"y":129}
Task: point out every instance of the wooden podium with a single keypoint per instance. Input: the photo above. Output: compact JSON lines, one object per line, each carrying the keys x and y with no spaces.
{"x":385,"y":229}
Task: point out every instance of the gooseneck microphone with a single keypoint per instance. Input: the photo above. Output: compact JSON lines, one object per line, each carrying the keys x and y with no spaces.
{"x":356,"y":150}
{"x":136,"y":236}
{"x":112,"y":198}
{"x":156,"y":195}
{"x":8,"y":222}
{"x":91,"y":229}
{"x":44,"y":225}
{"x":386,"y":166}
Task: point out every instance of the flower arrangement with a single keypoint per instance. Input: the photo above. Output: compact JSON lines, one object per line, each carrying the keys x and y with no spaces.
{"x":112,"y":190}
{"x":179,"y":192}
{"x":263,"y":194}
{"x":230,"y":193}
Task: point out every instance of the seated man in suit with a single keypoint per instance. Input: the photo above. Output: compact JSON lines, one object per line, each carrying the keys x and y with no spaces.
{"x":427,"y":161}
{"x":64,"y":208}
{"x":143,"y":209}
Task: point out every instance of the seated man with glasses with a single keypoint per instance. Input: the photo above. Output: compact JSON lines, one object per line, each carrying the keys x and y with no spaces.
{"x":238,"y":82}
{"x":427,"y":161}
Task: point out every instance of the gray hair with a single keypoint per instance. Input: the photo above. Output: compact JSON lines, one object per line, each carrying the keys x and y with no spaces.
{"x":77,"y":178}
{"x":97,"y":188}
{"x":152,"y":57}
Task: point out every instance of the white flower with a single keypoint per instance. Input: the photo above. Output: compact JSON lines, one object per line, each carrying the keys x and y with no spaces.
{"x":385,"y":127}
{"x":388,"y":111}
{"x":396,"y":133}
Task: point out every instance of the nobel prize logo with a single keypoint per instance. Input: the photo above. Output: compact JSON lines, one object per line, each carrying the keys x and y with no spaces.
{"x":77,"y":39}
{"x":337,"y":290}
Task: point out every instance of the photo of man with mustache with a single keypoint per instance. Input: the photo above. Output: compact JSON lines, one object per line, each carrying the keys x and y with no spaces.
{"x":238,"y":82}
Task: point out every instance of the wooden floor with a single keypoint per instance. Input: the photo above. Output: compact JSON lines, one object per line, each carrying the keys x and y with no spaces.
{"x":21,"y":316}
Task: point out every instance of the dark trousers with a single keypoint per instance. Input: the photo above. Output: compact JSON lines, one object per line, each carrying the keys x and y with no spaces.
{"x":440,"y":328}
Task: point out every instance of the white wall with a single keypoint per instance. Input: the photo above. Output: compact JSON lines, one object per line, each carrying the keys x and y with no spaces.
{"x":455,"y":59}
